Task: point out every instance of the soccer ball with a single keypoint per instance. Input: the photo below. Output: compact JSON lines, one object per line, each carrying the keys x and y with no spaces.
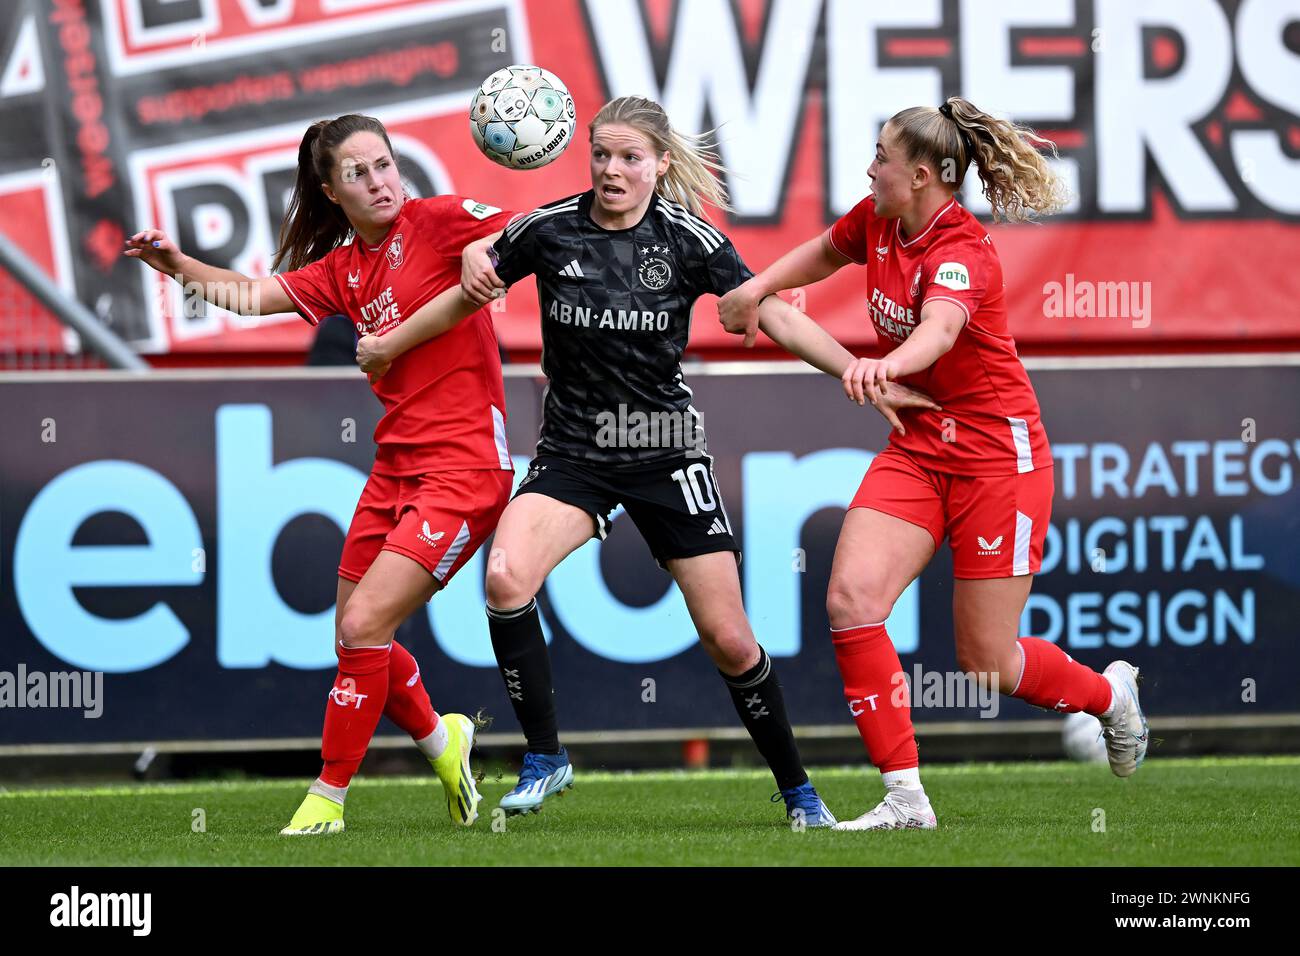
{"x":1081,"y":737}
{"x":522,"y":117}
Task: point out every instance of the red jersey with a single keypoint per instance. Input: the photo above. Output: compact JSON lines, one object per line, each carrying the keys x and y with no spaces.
{"x":444,"y":402}
{"x":994,"y":425}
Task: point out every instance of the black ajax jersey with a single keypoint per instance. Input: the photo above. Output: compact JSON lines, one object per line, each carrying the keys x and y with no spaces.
{"x":616,"y":315}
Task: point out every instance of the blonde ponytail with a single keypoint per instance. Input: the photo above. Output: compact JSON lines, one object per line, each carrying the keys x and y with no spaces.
{"x":694,"y":168}
{"x":1018,"y":181}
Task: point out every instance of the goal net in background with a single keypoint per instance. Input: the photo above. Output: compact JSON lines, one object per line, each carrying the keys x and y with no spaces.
{"x":31,"y":339}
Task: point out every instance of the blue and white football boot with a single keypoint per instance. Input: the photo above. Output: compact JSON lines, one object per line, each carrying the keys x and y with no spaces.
{"x":542,"y":776}
{"x":804,"y":807}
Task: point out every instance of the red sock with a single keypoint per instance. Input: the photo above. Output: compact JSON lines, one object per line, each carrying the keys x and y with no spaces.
{"x":408,"y":702}
{"x":877,"y":694}
{"x":352,"y":712}
{"x":1054,"y":680}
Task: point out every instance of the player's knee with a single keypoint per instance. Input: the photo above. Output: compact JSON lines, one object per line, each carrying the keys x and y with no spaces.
{"x":732,"y":647}
{"x":506,"y":589}
{"x":851,"y":605}
{"x":361,"y":627}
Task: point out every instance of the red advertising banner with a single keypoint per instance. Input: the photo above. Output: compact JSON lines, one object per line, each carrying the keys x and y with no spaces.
{"x":1177,"y":126}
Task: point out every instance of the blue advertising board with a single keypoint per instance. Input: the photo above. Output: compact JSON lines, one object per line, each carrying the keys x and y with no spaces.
{"x":180,"y":535}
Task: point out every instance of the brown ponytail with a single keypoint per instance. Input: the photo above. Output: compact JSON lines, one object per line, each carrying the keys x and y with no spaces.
{"x":1018,"y":182}
{"x":313,"y":225}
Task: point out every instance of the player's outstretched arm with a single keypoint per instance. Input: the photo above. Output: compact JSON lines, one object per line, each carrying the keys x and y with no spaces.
{"x":799,"y":335}
{"x":440,"y":314}
{"x":803,"y":265}
{"x":224,"y":288}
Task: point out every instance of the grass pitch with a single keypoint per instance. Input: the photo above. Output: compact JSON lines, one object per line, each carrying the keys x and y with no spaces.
{"x":1175,"y":812}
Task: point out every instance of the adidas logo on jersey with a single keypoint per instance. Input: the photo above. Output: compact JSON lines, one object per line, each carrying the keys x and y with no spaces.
{"x":989,"y":547}
{"x":717,"y":527}
{"x":431,"y":538}
{"x":572,"y":270}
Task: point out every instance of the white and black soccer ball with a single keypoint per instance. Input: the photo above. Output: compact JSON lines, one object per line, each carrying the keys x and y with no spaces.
{"x":1081,"y":738}
{"x":522,"y":117}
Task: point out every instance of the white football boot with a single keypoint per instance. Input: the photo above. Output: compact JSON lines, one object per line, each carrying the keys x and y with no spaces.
{"x":898,"y":811}
{"x":1125,"y":730}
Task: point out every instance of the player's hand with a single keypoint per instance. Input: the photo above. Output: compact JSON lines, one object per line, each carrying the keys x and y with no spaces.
{"x":738,"y":312}
{"x":154,"y":249}
{"x":478,"y":275}
{"x":899,"y":397}
{"x":864,"y":380}
{"x":372,"y":357}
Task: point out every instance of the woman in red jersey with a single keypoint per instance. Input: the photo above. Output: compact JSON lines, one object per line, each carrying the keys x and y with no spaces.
{"x":354,"y":243}
{"x":978,"y":471}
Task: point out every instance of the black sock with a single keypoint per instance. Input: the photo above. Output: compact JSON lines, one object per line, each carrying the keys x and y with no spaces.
{"x":525,"y":666}
{"x":761,"y":706}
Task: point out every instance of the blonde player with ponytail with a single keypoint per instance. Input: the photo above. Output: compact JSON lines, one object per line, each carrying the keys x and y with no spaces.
{"x":977,"y":472}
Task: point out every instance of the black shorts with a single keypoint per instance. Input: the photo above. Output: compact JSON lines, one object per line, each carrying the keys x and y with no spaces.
{"x":675,"y":504}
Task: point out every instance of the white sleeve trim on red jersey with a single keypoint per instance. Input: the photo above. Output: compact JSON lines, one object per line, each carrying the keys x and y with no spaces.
{"x":948,"y":298}
{"x":862,"y":262}
{"x":307,"y":313}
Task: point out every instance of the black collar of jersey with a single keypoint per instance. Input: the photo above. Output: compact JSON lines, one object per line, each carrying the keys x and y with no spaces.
{"x":589,"y":197}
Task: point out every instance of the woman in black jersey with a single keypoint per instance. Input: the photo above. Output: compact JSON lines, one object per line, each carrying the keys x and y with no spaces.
{"x":618,"y":270}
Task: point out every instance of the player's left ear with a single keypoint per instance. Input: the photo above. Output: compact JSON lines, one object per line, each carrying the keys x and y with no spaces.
{"x":664,"y":162}
{"x":328,"y":190}
{"x":922,"y":176}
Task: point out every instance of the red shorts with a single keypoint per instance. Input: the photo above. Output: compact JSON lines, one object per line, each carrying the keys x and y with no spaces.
{"x":437,"y":520}
{"x":995,"y":526}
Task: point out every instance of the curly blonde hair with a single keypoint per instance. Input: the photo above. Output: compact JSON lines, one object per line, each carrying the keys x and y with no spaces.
{"x":1018,"y":181}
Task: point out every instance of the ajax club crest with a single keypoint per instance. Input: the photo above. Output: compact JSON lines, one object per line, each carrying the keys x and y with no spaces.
{"x":654,"y":272}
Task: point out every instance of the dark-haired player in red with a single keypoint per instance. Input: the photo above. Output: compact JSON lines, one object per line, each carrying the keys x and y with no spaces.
{"x":355,"y":244}
{"x":978,"y":471}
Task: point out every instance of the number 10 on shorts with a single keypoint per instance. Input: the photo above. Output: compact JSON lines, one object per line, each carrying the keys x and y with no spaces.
{"x":696,"y":487}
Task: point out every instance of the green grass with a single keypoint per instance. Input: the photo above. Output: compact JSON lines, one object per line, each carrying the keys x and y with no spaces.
{"x":1207,"y":812}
